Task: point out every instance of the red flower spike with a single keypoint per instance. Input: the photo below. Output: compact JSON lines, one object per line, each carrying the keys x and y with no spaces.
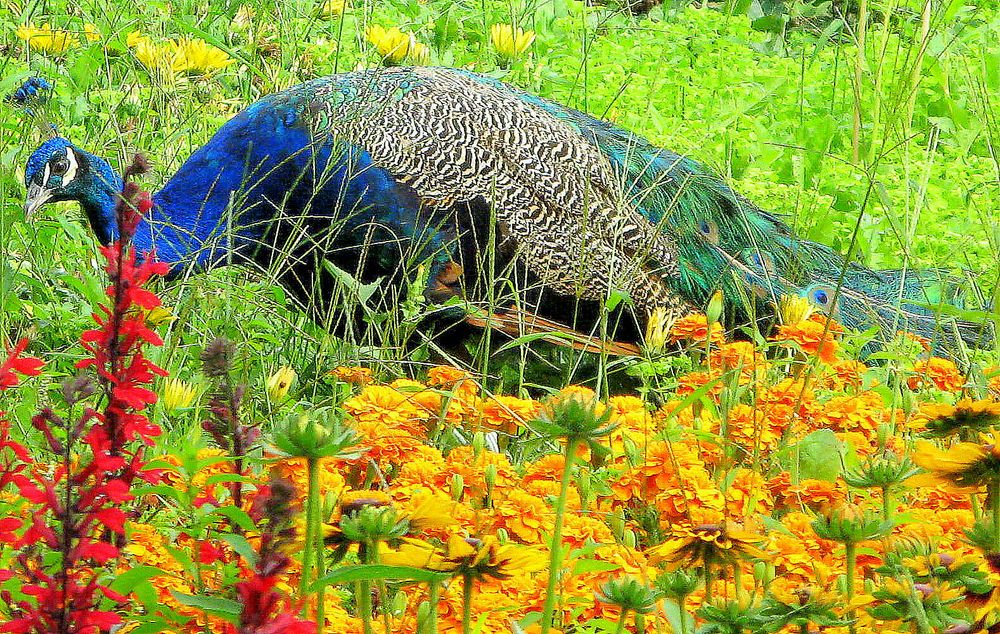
{"x":107,"y":447}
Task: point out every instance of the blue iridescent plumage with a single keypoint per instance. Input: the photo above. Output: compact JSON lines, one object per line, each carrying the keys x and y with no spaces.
{"x":378,"y":171}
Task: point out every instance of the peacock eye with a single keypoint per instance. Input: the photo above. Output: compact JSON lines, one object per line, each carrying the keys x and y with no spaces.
{"x":822,"y":297}
{"x":60,"y":166}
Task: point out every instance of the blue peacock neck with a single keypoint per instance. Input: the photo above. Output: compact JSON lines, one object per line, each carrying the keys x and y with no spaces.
{"x":99,"y":206}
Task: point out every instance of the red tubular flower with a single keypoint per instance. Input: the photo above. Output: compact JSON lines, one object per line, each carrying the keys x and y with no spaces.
{"x":99,"y":455}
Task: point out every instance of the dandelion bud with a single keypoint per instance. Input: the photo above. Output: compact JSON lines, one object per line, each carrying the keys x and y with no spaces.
{"x":490,"y":475}
{"x":457,"y":487}
{"x":794,"y":309}
{"x":423,"y":611}
{"x":629,"y":539}
{"x":714,"y":311}
{"x":478,"y":443}
{"x":657,"y":329}
{"x":279,"y":383}
{"x":617,"y":524}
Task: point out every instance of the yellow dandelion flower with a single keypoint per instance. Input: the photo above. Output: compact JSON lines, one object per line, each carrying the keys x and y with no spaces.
{"x":510,"y":41}
{"x":332,"y":8}
{"x":200,"y":57}
{"x":91,"y":33}
{"x":177,"y":395}
{"x":392,"y":44}
{"x":46,"y":39}
{"x":420,"y":53}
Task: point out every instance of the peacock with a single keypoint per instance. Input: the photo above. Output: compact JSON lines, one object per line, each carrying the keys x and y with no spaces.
{"x":487,"y":192}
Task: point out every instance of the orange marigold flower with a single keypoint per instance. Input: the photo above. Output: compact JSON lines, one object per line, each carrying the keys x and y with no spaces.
{"x":818,"y":495}
{"x":454,"y":380}
{"x":739,"y":354}
{"x":525,"y":517}
{"x":941,"y":373}
{"x":923,"y":342}
{"x":694,"y":328}
{"x":858,"y":413}
{"x":508,"y":413}
{"x":354,"y":375}
{"x":812,"y":337}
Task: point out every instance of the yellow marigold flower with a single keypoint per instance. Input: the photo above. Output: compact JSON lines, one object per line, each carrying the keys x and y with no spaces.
{"x":793,"y":309}
{"x":332,"y":8}
{"x":279,"y":383}
{"x":392,"y":44}
{"x":510,"y":41}
{"x":198,"y":56}
{"x":177,"y":395}
{"x":963,"y":465}
{"x":46,"y":39}
{"x":941,"y":373}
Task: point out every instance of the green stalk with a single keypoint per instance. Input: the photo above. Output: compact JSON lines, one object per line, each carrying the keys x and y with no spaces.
{"x":555,"y":558}
{"x":708,"y":582}
{"x":995,"y":511}
{"x":312,"y":516}
{"x":364,"y":591}
{"x":466,"y":604}
{"x":886,"y":504}
{"x":851,"y":554}
{"x":433,"y":597}
{"x":620,"y":628}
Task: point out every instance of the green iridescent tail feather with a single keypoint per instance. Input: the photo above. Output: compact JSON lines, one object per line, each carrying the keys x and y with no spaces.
{"x":727,"y":243}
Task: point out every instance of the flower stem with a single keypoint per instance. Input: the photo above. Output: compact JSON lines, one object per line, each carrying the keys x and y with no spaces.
{"x":433,"y":597}
{"x":466,"y":604}
{"x":620,"y":628}
{"x":995,"y":511}
{"x":851,"y":555}
{"x":555,"y":558}
{"x":708,"y":583}
{"x":886,"y":504}
{"x":312,"y":511}
{"x":364,"y":589}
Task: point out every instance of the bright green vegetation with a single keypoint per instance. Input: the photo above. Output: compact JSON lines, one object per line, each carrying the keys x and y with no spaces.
{"x":773,"y":108}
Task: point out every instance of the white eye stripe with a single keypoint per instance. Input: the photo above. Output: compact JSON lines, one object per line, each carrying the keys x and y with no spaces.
{"x":71,"y":170}
{"x":45,"y":174}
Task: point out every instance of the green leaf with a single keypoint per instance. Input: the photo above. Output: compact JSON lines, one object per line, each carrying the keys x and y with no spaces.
{"x":216,"y":606}
{"x":128,"y":580}
{"x":582,"y":566}
{"x":818,"y":456}
{"x":240,"y":544}
{"x":236,"y":516}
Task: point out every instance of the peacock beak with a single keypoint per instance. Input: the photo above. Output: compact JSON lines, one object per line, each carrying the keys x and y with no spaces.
{"x":38,"y":195}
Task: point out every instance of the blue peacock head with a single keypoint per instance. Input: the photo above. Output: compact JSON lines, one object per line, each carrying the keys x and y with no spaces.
{"x":59,"y":171}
